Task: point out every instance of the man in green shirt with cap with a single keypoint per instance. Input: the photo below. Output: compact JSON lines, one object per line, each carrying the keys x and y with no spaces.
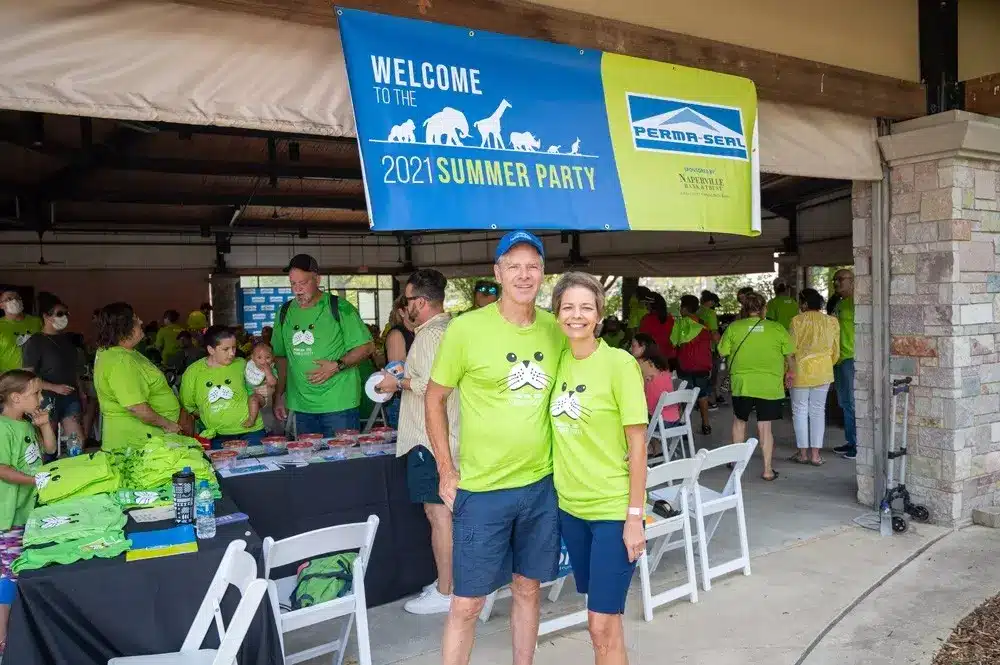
{"x":843,"y":371}
{"x":319,"y":340}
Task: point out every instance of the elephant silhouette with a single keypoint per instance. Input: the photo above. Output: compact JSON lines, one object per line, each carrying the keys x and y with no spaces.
{"x":448,"y":124}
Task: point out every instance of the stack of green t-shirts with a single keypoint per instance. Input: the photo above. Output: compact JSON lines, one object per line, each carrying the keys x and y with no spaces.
{"x":72,"y":530}
{"x":76,"y":477}
{"x":155,"y":465}
{"x":129,"y":499}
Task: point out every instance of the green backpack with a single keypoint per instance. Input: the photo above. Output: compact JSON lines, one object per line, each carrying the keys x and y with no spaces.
{"x":324,"y":579}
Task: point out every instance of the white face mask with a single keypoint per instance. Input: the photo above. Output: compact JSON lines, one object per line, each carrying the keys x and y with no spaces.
{"x":14,"y":307}
{"x":60,"y":322}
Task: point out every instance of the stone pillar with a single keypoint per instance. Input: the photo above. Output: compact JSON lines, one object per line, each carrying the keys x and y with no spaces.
{"x":225,"y":289}
{"x":864,"y":393}
{"x":944,"y":298}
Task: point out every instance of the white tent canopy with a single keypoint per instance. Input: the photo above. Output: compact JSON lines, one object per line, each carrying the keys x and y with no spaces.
{"x":160,"y":61}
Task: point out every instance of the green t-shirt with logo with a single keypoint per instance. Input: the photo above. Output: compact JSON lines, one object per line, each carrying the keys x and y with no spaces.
{"x":107,"y":545}
{"x":310,"y":334}
{"x":219,"y":396}
{"x":756,"y":349}
{"x":845,"y":315}
{"x":593,"y":401}
{"x":782,"y":309}
{"x":13,"y":335}
{"x":504,"y":374}
{"x":20,"y":451}
{"x":124,"y":378}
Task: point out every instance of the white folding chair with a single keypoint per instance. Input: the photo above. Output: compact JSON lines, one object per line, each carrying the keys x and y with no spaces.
{"x":714,"y":504}
{"x":240,"y":570}
{"x":672,"y":437}
{"x":686,"y":472}
{"x":359,"y":536}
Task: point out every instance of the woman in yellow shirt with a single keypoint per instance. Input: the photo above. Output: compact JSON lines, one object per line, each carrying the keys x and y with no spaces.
{"x":817,"y":349}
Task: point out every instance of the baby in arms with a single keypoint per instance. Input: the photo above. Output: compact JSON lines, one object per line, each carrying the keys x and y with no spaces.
{"x":261,"y":376}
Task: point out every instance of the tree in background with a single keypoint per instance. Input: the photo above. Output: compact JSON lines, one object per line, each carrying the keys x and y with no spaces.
{"x":459,"y":294}
{"x":727,"y":286}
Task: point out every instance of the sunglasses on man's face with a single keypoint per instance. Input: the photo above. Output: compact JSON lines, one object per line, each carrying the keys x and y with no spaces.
{"x":490,"y":290}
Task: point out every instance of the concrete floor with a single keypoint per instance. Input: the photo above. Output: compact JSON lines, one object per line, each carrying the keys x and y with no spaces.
{"x":804,"y":504}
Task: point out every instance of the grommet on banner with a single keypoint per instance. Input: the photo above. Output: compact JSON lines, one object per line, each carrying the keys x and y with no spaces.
{"x":472,"y":33}
{"x":493,"y":226}
{"x":340,"y":12}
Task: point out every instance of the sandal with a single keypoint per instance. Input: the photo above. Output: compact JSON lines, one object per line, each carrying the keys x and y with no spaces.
{"x":798,"y":460}
{"x":819,"y":462}
{"x":774,"y":476}
{"x":706,"y":430}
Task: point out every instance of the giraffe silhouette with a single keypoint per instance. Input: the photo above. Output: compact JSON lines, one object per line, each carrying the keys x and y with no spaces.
{"x":489,"y":128}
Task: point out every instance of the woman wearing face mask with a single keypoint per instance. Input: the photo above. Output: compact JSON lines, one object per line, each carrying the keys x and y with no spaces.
{"x":52,"y":356}
{"x":135,"y":398}
{"x":215,"y":390}
{"x":15,"y":329}
{"x":598,"y":412}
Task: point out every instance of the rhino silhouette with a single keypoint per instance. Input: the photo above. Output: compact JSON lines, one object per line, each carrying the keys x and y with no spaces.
{"x":524,"y":141}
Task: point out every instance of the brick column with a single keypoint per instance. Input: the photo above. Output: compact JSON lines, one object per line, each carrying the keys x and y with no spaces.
{"x":861,"y":204}
{"x":225,"y":299}
{"x":945,"y":306}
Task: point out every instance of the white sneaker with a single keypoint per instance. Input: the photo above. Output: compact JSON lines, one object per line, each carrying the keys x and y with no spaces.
{"x":430,"y":602}
{"x":432,"y":585}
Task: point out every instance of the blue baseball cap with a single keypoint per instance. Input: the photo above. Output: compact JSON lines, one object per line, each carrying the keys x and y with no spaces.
{"x":513,"y":238}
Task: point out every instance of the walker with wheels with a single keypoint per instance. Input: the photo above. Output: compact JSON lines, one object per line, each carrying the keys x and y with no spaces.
{"x":894,"y":492}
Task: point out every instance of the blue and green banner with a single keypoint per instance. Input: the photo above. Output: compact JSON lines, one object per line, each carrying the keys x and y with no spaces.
{"x":460,"y":129}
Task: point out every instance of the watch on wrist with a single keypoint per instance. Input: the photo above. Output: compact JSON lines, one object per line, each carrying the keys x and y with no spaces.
{"x":341,"y":365}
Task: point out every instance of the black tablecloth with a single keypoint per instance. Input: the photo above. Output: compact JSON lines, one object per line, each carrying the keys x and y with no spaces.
{"x":292,"y":501}
{"x":91,"y":611}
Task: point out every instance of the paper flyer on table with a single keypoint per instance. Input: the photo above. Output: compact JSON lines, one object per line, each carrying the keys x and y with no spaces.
{"x":247,"y":467}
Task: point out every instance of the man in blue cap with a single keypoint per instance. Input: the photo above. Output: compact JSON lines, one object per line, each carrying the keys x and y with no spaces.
{"x":501,"y":358}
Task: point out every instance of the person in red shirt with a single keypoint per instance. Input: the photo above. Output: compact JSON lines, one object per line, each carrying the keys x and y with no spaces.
{"x":658,"y":324}
{"x":693,"y":342}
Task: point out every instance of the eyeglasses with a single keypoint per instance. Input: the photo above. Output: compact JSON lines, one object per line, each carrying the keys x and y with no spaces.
{"x":487,"y":289}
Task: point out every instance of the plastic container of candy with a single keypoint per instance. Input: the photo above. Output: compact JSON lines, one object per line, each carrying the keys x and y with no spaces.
{"x":371,"y":444}
{"x":275,"y":447}
{"x":310,"y":436}
{"x":300,"y":450}
{"x":222,"y":459}
{"x":239,"y":445}
{"x":388,"y":434}
{"x":350,"y":435}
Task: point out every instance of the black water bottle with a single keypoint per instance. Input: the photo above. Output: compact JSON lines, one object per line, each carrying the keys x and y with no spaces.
{"x":184,"y":496}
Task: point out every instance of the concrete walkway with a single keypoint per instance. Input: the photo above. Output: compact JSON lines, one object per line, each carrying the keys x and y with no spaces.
{"x":905,"y":620}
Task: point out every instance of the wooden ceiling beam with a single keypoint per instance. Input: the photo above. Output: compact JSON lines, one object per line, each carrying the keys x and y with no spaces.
{"x":779,"y":78}
{"x":982,"y":95}
{"x":209,"y":167}
{"x":174,"y":198}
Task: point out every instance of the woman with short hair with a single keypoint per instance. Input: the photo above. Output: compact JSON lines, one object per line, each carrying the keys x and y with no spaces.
{"x":816,"y":336}
{"x":598,"y":410}
{"x":135,"y":399}
{"x":761,"y":365}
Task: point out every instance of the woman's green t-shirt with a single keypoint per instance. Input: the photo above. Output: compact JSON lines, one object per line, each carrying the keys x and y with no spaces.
{"x":756,"y":349}
{"x":220,"y":396}
{"x":124,"y":378}
{"x":593,"y":401}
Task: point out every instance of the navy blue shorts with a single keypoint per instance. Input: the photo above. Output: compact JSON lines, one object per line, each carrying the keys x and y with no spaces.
{"x":422,"y":477}
{"x":504,"y":532}
{"x":600,"y":561}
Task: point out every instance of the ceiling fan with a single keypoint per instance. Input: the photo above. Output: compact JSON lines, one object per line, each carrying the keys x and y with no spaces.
{"x":41,"y":255}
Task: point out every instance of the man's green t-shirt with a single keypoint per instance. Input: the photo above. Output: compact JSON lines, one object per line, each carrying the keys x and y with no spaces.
{"x":166,"y":341}
{"x":756,"y":349}
{"x":845,"y":315}
{"x":504,"y":374}
{"x":310,"y":334}
{"x":710,"y":319}
{"x":13,"y":335}
{"x":636,"y":310}
{"x":124,"y":378}
{"x":219,"y":396}
{"x":593,"y":401}
{"x":19,"y":450}
{"x":782,"y":309}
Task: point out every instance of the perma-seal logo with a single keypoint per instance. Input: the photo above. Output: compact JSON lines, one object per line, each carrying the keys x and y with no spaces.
{"x":688,"y":128}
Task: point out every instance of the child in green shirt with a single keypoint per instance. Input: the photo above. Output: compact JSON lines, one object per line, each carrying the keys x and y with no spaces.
{"x":20,"y":457}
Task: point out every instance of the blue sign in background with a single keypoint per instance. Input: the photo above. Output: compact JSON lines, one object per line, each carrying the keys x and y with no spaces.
{"x":431,"y":157}
{"x":260,"y":305}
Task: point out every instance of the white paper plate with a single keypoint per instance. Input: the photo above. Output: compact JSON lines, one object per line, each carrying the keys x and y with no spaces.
{"x":370,"y":384}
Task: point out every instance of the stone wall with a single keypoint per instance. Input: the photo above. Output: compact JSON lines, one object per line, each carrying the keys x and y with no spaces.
{"x":861,"y":204}
{"x":944,"y":236}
